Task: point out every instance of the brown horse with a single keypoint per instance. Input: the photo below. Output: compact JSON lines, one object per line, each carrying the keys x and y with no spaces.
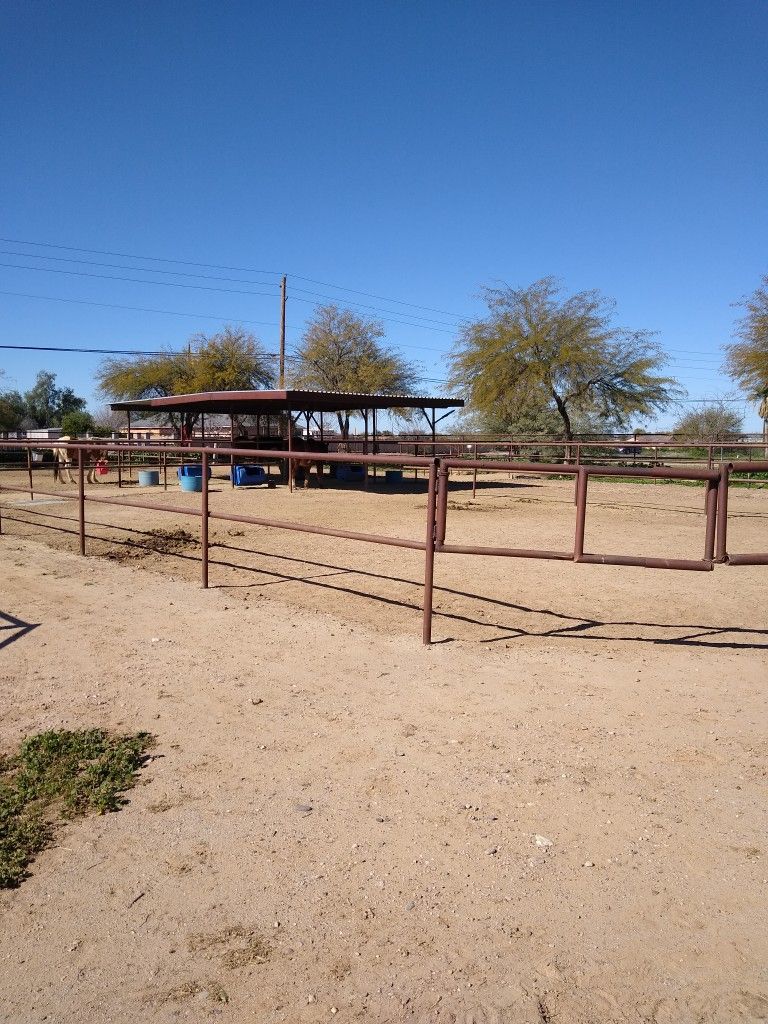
{"x":306,"y":465}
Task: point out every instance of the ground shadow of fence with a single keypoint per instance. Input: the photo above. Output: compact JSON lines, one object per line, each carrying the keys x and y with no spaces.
{"x":564,"y":626}
{"x":12,"y":629}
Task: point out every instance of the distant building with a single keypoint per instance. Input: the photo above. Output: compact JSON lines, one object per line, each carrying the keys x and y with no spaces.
{"x":43,"y":434}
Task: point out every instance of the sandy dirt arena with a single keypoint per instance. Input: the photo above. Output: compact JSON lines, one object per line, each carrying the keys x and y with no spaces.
{"x":554,"y":815}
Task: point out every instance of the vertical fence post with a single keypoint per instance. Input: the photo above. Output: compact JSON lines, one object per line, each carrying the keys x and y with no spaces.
{"x":710,"y":506}
{"x":582,"y":479}
{"x":81,"y":499}
{"x":474,"y":474}
{"x":204,"y":521}
{"x":119,"y":468}
{"x":429,"y":555}
{"x":721,"y":533}
{"x":165,"y":469}
{"x":29,"y":471}
{"x":442,"y":505}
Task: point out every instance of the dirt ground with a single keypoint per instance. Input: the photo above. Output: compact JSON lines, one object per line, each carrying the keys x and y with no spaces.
{"x":554,"y":815}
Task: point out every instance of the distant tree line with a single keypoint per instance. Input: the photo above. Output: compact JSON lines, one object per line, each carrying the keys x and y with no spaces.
{"x":540,"y":361}
{"x":44,"y":405}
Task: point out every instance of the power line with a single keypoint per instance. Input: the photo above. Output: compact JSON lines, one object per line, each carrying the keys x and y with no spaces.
{"x":290,"y":357}
{"x":97,"y":351}
{"x":366,"y":305}
{"x":134,"y":280}
{"x":123,"y":266}
{"x":130,"y":256}
{"x":143,"y":309}
{"x":205,"y":277}
{"x":175,"y":312}
{"x":198,"y":287}
{"x":218,"y":266}
{"x":404,"y":323}
{"x":371,"y":295}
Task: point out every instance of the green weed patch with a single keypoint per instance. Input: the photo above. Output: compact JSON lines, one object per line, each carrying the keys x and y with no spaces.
{"x":60,"y":775}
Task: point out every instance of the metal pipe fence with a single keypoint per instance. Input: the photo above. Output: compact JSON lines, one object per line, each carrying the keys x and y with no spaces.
{"x":438,"y":470}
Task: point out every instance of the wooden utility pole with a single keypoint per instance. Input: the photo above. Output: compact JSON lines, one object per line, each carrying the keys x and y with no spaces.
{"x":282,"y":331}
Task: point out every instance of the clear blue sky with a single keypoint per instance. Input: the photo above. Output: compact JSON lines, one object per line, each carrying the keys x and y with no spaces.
{"x":415,"y":150}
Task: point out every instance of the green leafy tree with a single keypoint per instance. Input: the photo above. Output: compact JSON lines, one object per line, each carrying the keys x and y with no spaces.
{"x":13,"y":410}
{"x":46,"y":404}
{"x":231,"y":360}
{"x":747,"y":358}
{"x":342,"y":351}
{"x":713,"y":422}
{"x":540,"y":349}
{"x":75,"y":424}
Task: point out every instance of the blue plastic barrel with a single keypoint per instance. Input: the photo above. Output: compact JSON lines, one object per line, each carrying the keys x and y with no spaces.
{"x":191,"y":483}
{"x":192,"y":469}
{"x":149,"y":478}
{"x":349,"y":471}
{"x":249,"y":475}
{"x":393,"y":476}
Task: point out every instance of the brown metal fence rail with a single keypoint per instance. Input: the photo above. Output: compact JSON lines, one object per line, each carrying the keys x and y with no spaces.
{"x":717,"y":482}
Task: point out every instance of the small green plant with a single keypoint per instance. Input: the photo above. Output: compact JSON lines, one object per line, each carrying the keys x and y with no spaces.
{"x":60,"y":775}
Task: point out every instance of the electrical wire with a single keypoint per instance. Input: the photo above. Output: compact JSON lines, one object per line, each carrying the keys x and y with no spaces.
{"x":134,"y":280}
{"x":199,"y":287}
{"x":218,"y":266}
{"x":144,"y":309}
{"x":205,"y":277}
{"x":123,"y":266}
{"x":130,"y":256}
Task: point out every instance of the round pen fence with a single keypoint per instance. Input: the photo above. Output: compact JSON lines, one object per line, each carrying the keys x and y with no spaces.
{"x":86,"y":455}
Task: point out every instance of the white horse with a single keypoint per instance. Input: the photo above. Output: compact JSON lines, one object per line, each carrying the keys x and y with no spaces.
{"x":64,"y":458}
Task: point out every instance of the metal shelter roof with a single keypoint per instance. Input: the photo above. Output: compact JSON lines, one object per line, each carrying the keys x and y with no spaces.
{"x":275,"y":402}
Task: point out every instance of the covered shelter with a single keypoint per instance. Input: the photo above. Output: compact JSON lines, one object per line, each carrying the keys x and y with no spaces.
{"x":291,"y":405}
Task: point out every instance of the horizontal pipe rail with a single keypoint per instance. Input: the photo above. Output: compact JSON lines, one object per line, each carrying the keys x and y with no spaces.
{"x":326,"y":531}
{"x":557,"y":469}
{"x":716,"y":499}
{"x":689,"y":564}
{"x":296,"y":454}
{"x":474,"y":549}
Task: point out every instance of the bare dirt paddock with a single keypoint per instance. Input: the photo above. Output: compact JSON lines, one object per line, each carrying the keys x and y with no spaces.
{"x":554,"y":814}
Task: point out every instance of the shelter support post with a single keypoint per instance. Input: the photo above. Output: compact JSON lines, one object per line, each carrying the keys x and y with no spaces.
{"x":365,"y":450}
{"x":128,"y":452}
{"x":232,"y":442}
{"x":375,"y":446}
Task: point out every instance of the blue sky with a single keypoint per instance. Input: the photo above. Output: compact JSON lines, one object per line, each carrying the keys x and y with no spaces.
{"x":411,"y":150}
